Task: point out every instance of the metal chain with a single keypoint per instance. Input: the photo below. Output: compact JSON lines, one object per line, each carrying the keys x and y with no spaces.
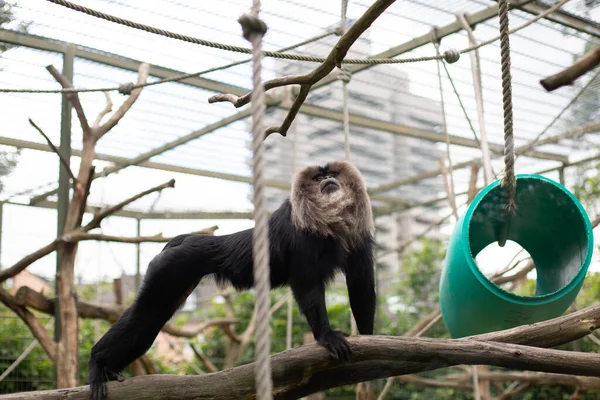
{"x":254,"y":30}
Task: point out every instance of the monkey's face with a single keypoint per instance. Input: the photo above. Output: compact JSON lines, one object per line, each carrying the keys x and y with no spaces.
{"x":328,"y":182}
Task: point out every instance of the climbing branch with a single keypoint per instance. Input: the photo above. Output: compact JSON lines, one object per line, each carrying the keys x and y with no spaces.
{"x":27,"y":297}
{"x":32,"y":322}
{"x":73,"y":98}
{"x":101,"y":214}
{"x":567,"y":76}
{"x":28,"y":260}
{"x":107,"y":109}
{"x":100,"y":130}
{"x":334,"y":59}
{"x":308,"y":369}
{"x":63,"y":161}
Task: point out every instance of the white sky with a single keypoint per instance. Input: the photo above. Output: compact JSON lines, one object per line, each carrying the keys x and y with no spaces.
{"x":165,"y":112}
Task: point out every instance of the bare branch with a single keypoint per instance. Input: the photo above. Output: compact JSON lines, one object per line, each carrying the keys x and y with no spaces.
{"x":472,"y":191}
{"x":567,"y":76}
{"x":32,"y":322}
{"x":114,"y":119}
{"x":95,"y":222}
{"x":73,"y":97}
{"x":334,"y":59}
{"x":28,"y":260}
{"x":63,"y":161}
{"x":104,"y":112}
{"x":205,"y":361}
{"x":79,"y":236}
{"x":27,"y":297}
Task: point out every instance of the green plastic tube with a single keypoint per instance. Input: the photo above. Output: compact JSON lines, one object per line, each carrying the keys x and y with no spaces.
{"x":550,"y":224}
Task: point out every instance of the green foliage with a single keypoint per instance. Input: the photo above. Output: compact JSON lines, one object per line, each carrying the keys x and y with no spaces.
{"x":8,"y":20}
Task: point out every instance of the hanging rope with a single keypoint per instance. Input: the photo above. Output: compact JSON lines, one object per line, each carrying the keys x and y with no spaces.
{"x":451,"y":192}
{"x":509,"y":180}
{"x":345,"y":76}
{"x":477,"y":86}
{"x":254,"y":29}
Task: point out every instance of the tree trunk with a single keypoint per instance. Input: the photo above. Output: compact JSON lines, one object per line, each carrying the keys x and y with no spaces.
{"x":67,"y":352}
{"x":67,"y":362}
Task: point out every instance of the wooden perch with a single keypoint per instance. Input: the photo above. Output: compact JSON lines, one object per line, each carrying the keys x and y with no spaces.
{"x":334,"y":59}
{"x":27,"y":297}
{"x":100,"y":215}
{"x":38,"y":331}
{"x":308,"y":369}
{"x":567,"y":76}
{"x":63,"y":161}
{"x":73,"y":97}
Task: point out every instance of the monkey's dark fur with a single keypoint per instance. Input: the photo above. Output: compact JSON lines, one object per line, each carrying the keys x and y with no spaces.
{"x":325,"y":226}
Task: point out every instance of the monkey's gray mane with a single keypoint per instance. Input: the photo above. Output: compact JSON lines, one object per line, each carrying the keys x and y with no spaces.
{"x":344,"y":214}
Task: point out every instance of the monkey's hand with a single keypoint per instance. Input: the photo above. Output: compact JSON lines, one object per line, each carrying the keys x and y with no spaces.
{"x":335,"y":342}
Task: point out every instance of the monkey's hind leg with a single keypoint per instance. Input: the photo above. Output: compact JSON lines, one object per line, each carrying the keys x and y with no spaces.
{"x":168,"y":283}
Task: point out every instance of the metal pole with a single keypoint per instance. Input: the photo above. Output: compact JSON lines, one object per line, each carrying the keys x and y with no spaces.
{"x":561,"y":176}
{"x":64,"y":184}
{"x":138,"y":257}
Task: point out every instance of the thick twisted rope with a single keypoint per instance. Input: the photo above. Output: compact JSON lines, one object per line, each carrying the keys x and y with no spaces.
{"x":275,"y":54}
{"x":449,"y":56}
{"x":509,"y":181}
{"x":254,"y":29}
{"x":344,"y":75}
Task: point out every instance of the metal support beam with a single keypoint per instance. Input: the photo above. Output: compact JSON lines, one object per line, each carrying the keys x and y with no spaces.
{"x":1,"y":218}
{"x":419,"y":41}
{"x":161,"y":149}
{"x":308,"y":109}
{"x":521,"y":150}
{"x":64,"y":184}
{"x":564,"y":18}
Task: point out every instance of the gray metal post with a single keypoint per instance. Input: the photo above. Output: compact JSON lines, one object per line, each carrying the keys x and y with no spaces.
{"x":1,"y":215}
{"x":138,"y":257}
{"x":64,"y":185}
{"x":561,"y":176}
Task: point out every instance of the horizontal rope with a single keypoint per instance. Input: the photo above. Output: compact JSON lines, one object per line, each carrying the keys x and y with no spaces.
{"x":448,"y":56}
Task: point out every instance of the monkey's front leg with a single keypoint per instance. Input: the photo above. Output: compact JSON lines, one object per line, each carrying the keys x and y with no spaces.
{"x":311,"y":300}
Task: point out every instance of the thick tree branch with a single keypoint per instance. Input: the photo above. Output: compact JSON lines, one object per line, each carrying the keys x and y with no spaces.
{"x":28,"y":260}
{"x":101,"y":214}
{"x":63,"y":161}
{"x":334,"y":59}
{"x":79,"y":235}
{"x":73,"y":97}
{"x":567,"y":76}
{"x":38,"y":331}
{"x":27,"y":297}
{"x":303,"y":370}
{"x":143,"y":71}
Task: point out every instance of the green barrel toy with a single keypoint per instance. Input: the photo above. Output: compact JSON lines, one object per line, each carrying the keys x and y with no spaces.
{"x":549,"y":223}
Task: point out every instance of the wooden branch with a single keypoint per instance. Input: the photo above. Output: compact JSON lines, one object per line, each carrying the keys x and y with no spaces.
{"x":73,"y":97}
{"x":334,"y":59}
{"x":472,"y":191}
{"x":63,"y":161}
{"x":541,"y":378}
{"x":38,"y":331}
{"x":303,"y":370}
{"x":27,"y":297}
{"x":104,"y":112}
{"x":567,"y":76}
{"x":205,"y":361}
{"x":100,"y":215}
{"x":79,"y":236}
{"x":28,"y":260}
{"x":143,"y":71}
{"x":513,"y":391}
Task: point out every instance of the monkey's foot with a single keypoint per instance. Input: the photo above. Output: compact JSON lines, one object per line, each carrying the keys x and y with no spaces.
{"x":337,"y":345}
